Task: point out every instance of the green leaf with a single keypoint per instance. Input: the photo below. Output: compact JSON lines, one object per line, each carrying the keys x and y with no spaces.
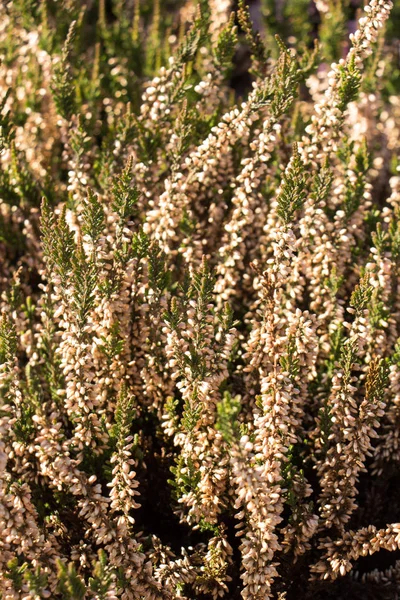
{"x":293,"y":190}
{"x":193,"y":39}
{"x":361,"y":296}
{"x":125,"y":195}
{"x":259,"y":52}
{"x":226,"y":44}
{"x":70,"y":585}
{"x":93,"y":217}
{"x":7,"y":131}
{"x":102,"y":578}
{"x":63,"y":83}
{"x":349,"y":83}
{"x":227,"y":417}
{"x":84,"y":282}
{"x":8,"y":339}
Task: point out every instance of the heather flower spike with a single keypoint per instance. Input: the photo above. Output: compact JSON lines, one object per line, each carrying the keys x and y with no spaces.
{"x":199,"y":300}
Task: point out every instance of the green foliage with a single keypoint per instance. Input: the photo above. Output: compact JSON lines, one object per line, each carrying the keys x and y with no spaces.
{"x":349,"y":84}
{"x":84,"y":282}
{"x":378,"y":313}
{"x":192,"y":407}
{"x":93,"y":217}
{"x":48,"y":350}
{"x":193,"y":39}
{"x":24,"y":427}
{"x":36,"y":580}
{"x":125,"y":195}
{"x":259,"y":52}
{"x":380,"y":239}
{"x":202,"y":286}
{"x":63,"y":80}
{"x":226,"y":44}
{"x":15,"y":572}
{"x":334,"y":282}
{"x":201,"y":292}
{"x":184,"y":127}
{"x":346,"y":362}
{"x":80,"y":140}
{"x":112,"y":344}
{"x":227,"y":420}
{"x":157,"y":132}
{"x":140,"y":245}
{"x":321,"y":186}
{"x":11,"y":237}
{"x":148,"y":141}
{"x":346,"y":352}
{"x":102,"y":580}
{"x":361,"y":296}
{"x":7,"y":132}
{"x":68,"y":259}
{"x":22,"y":179}
{"x":293,"y":190}
{"x":186,"y":477}
{"x":8,"y":339}
{"x":290,"y":361}
{"x":124,"y":415}
{"x":376,"y":382}
{"x":336,"y":342}
{"x":332,"y":30}
{"x":70,"y":585}
{"x":158,"y":273}
{"x":395,"y":360}
{"x":58,"y":241}
{"x":290,"y":471}
{"x":281,"y":87}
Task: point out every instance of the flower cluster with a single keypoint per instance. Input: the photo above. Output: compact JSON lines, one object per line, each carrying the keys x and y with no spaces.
{"x":199,"y":300}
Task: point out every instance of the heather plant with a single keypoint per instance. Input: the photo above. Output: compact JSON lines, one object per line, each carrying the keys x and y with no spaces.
{"x":199,"y":300}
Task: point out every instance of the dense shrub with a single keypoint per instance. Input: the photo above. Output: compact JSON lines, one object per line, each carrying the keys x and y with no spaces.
{"x":200,"y":300}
